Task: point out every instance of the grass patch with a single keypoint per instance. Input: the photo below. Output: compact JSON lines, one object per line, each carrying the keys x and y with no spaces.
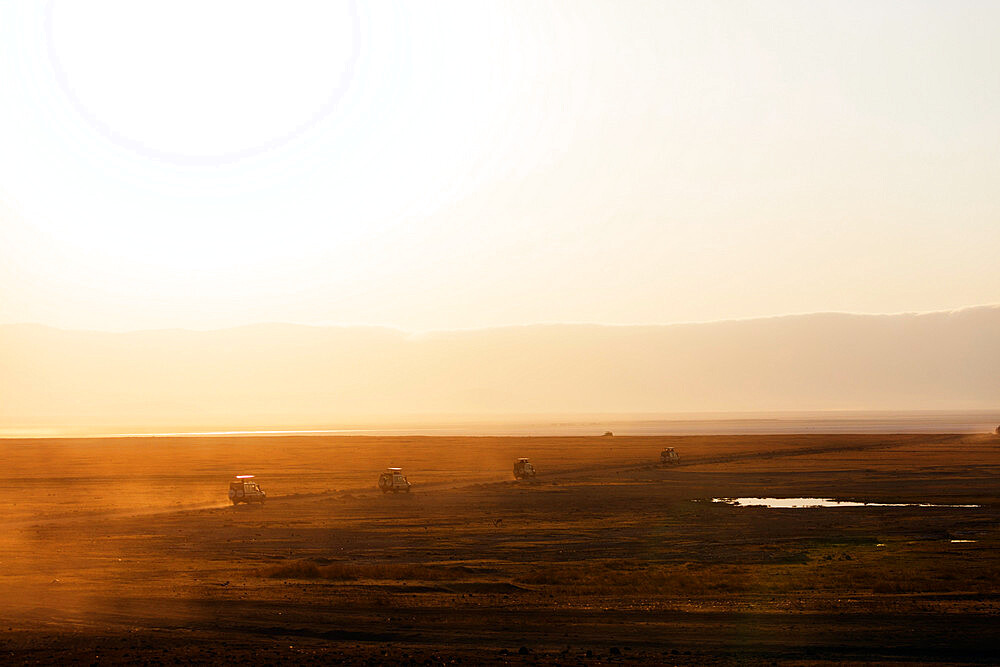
{"x":344,"y":571}
{"x":861,"y":574}
{"x":840,"y":571}
{"x":628,"y":577}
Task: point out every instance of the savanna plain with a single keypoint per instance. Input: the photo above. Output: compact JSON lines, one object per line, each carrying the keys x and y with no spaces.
{"x":128,"y":550}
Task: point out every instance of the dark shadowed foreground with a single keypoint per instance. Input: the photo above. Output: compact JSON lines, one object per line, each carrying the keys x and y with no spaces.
{"x":127,"y":551}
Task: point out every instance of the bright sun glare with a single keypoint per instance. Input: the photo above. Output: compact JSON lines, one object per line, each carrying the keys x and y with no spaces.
{"x":470,"y":164}
{"x":233,"y":142}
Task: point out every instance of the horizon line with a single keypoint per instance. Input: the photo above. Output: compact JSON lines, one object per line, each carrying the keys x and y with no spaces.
{"x":420,"y":332}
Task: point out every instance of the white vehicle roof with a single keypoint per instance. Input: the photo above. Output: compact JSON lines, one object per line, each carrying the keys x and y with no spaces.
{"x":394,"y":469}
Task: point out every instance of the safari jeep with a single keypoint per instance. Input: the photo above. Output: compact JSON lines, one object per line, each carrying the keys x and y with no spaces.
{"x":393,"y":480}
{"x":245,"y":490}
{"x":523,"y":469}
{"x":669,"y":457}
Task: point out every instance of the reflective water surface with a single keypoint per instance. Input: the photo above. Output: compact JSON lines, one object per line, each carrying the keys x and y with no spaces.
{"x":796,"y":503}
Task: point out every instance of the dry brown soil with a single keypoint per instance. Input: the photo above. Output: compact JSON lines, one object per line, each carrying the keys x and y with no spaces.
{"x":126,"y":550}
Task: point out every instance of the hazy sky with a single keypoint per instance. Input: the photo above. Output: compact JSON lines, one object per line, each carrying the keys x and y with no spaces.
{"x":434,"y":165}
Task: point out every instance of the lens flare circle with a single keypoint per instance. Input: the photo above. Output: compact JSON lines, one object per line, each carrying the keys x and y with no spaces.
{"x":339,"y":86}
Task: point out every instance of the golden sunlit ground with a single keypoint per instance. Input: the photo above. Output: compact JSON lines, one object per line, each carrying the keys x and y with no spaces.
{"x":128,"y":550}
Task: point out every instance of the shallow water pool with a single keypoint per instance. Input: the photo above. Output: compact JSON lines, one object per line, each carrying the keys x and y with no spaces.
{"x":797,"y":503}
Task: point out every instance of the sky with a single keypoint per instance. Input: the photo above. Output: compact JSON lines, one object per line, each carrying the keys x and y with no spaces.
{"x":442,"y":165}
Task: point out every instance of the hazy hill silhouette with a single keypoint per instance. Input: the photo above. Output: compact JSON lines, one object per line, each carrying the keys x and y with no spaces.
{"x":278,"y":374}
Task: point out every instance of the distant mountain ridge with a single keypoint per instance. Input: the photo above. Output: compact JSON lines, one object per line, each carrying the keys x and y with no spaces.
{"x":292,"y":374}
